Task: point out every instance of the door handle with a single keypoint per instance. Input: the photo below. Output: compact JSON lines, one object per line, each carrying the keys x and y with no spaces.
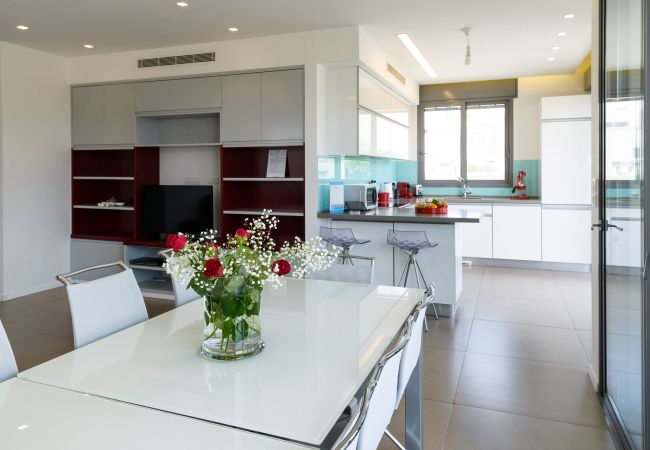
{"x":645,"y":265}
{"x":606,"y":226}
{"x":596,"y":225}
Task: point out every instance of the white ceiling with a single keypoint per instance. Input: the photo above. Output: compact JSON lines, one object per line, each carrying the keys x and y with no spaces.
{"x":510,"y":38}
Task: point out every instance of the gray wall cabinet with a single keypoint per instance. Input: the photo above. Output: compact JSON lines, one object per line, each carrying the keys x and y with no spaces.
{"x":282,"y":102}
{"x":103,"y":115}
{"x":178,"y":95}
{"x":241,"y":108}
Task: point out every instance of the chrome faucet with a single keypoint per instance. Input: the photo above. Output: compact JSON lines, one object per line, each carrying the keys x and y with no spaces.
{"x":466,"y":190}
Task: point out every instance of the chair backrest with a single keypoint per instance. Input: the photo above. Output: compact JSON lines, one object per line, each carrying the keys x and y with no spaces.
{"x":362,"y":271}
{"x":381,"y":401}
{"x":182,"y":294}
{"x":8,"y":368}
{"x":104,"y":306}
{"x":412,"y":349}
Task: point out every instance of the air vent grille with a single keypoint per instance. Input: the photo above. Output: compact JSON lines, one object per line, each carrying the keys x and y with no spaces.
{"x":175,"y":60}
{"x":394,"y":72}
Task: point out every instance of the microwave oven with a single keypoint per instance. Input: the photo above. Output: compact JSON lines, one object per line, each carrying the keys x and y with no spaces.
{"x":360,"y":197}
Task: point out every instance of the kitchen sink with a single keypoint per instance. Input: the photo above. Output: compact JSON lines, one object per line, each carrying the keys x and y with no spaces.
{"x":469,"y":197}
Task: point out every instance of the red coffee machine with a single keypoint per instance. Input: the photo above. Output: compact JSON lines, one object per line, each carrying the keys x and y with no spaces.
{"x":404,"y":190}
{"x":520,"y":186}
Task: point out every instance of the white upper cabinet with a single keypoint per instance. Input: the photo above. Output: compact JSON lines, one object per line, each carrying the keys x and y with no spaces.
{"x":260,"y":108}
{"x":241,"y":108}
{"x":566,"y":162}
{"x":178,"y":95}
{"x":282,"y":99}
{"x":566,"y":107}
{"x":364,"y":116}
{"x":103,"y":115}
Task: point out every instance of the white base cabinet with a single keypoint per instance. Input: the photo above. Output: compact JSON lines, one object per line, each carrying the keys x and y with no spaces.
{"x":566,"y":234}
{"x":624,"y":247}
{"x":477,"y":237}
{"x":517,"y":232}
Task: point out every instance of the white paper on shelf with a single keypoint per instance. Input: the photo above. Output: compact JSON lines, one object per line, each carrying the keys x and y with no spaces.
{"x":277,"y":164}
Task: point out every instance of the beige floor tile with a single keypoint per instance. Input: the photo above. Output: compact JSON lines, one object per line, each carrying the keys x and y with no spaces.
{"x":466,"y":307}
{"x":586,"y":342}
{"x":474,"y":429}
{"x":448,"y":333}
{"x":581,"y":316}
{"x":550,"y":314}
{"x":506,"y":273}
{"x":471,"y":287}
{"x":524,"y":288}
{"x":441,"y":372}
{"x":536,"y":389}
{"x":40,"y":349}
{"x":435,"y":418}
{"x":546,"y":344}
{"x":28,"y":301}
{"x":473,"y":271}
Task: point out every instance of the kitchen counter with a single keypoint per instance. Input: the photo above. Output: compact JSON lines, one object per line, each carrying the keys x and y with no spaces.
{"x":407,"y":214}
{"x":457,"y":200}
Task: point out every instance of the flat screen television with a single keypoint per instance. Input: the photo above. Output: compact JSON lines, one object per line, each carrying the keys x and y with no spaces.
{"x":173,"y":209}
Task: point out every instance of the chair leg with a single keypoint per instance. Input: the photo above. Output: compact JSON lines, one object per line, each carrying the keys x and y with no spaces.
{"x":429,"y":292}
{"x":397,"y":443}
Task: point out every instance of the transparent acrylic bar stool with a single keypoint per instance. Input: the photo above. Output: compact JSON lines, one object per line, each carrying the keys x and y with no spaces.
{"x":343,"y":238}
{"x":411,"y":243}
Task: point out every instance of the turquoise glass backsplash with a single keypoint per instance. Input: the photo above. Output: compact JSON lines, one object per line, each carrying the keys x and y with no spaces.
{"x":361,"y":169}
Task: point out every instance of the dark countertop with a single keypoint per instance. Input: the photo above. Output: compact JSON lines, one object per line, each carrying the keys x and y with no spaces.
{"x":407,"y":215}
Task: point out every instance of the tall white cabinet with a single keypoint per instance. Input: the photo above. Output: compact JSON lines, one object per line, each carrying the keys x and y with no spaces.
{"x":566,"y":179}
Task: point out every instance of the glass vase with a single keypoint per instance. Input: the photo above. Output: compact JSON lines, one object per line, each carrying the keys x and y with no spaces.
{"x":232,"y":326}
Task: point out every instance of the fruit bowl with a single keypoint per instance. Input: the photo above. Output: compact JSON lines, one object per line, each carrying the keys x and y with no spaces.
{"x":431,"y":206}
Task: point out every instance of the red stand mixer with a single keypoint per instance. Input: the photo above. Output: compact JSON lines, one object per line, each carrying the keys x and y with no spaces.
{"x":520,"y":186}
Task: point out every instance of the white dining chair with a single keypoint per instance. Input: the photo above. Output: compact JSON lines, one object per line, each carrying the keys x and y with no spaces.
{"x":182,"y":294}
{"x":378,"y":404}
{"x":8,"y":368}
{"x":411,"y":354}
{"x":103,"y":306}
{"x":360,"y":270}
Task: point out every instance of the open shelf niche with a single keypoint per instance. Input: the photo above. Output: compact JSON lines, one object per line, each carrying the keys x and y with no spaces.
{"x":246,"y":191}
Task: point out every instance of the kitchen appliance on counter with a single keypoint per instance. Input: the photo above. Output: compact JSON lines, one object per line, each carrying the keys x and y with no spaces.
{"x":520,"y":186}
{"x":404,"y":189}
{"x":360,"y":197}
{"x":416,"y":190}
{"x":389,"y":188}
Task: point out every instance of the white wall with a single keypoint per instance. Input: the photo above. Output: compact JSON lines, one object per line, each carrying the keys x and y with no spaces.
{"x":35,"y":170}
{"x":527,"y":111}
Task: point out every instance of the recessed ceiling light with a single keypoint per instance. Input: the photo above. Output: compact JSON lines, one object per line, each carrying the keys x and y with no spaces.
{"x":419,"y":57}
{"x":233,"y":29}
{"x":182,"y":4}
{"x":569,"y":16}
{"x":89,"y":46}
{"x":22,"y":27}
{"x":562,"y":33}
{"x":557,"y":47}
{"x":551,"y":59}
{"x":23,"y":427}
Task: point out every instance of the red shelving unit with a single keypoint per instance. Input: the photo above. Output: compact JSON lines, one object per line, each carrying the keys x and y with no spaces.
{"x":245,"y":190}
{"x":100,"y":174}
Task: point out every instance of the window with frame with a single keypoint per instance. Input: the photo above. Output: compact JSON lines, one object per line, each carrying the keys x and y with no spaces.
{"x":466,"y":139}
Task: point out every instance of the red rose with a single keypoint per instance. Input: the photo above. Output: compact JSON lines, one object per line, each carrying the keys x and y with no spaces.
{"x":242,"y":233}
{"x":176,"y":241}
{"x":281,"y":267}
{"x":213,"y":268}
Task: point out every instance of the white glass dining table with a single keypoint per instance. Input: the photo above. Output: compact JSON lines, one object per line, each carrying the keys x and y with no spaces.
{"x":322,"y":340}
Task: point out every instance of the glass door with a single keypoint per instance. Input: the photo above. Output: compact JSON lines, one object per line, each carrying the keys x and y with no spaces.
{"x":622,"y":217}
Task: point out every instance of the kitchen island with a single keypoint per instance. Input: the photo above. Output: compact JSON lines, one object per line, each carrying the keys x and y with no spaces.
{"x":441,"y":265}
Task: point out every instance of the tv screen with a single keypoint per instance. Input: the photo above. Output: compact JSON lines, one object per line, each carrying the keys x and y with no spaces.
{"x":173,"y":209}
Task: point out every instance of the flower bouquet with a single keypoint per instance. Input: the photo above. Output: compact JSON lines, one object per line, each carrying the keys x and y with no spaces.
{"x":231,"y":278}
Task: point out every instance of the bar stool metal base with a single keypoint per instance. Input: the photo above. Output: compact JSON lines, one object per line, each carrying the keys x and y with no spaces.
{"x":412,"y":261}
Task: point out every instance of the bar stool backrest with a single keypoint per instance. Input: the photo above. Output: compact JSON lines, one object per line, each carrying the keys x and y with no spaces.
{"x":8,"y":368}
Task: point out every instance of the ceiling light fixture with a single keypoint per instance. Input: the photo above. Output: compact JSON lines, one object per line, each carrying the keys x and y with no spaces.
{"x":569,"y":16}
{"x":22,"y":27}
{"x":419,"y":57}
{"x":562,"y":33}
{"x":468,"y":49}
{"x":233,"y":29}
{"x":551,"y":59}
{"x":182,"y":4}
{"x":22,"y":427}
{"x":557,"y":47}
{"x":89,"y":46}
